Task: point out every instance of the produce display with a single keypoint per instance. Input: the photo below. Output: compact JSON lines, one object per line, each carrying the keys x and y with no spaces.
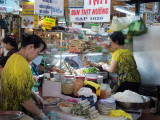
{"x":79,"y":46}
{"x":91,"y":70}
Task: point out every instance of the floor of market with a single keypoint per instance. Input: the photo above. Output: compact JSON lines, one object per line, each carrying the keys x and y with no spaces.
{"x":147,"y":116}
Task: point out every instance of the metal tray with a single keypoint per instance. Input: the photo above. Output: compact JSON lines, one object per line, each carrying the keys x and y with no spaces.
{"x":11,"y":115}
{"x":134,"y":106}
{"x":51,"y":100}
{"x":104,"y":74}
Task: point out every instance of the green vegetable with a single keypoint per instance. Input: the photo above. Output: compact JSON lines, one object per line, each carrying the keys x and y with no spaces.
{"x":99,"y":48}
{"x":91,"y":70}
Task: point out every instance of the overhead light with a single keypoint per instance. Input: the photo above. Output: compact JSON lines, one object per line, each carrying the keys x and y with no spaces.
{"x":67,"y":55}
{"x":31,"y":0}
{"x":20,"y":9}
{"x":122,"y":9}
{"x":61,"y":22}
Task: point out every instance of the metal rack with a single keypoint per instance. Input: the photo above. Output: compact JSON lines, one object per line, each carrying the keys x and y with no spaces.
{"x":151,"y":18}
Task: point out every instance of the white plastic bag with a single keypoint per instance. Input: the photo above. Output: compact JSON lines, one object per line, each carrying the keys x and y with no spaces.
{"x":120,"y":23}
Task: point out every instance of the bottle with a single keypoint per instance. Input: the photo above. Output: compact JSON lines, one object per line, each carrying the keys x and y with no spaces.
{"x":78,"y":84}
{"x":67,"y":85}
{"x":100,"y":80}
{"x":103,"y":93}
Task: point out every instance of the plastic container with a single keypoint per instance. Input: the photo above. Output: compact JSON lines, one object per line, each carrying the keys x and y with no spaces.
{"x":93,"y":79}
{"x":103,"y":93}
{"x":67,"y":85}
{"x":88,"y":75}
{"x":100,"y":80}
{"x":69,"y":78}
{"x":94,"y":27}
{"x":58,"y":77}
{"x":78,"y":84}
{"x":74,"y":101}
{"x":105,"y":105}
{"x":65,"y":107}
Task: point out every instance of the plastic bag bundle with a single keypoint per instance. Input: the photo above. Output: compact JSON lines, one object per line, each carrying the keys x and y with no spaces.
{"x":137,"y":28}
{"x":119,"y":23}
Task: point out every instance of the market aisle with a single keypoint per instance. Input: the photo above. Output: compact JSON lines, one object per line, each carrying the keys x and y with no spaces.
{"x":147,"y":116}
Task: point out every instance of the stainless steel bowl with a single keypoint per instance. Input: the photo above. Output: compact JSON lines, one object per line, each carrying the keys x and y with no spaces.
{"x":134,"y":106}
{"x":104,"y":74}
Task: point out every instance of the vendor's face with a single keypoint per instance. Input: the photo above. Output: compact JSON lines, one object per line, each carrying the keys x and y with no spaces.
{"x":33,"y":52}
{"x":41,"y":68}
{"x":6,"y":46}
{"x":113,"y":44}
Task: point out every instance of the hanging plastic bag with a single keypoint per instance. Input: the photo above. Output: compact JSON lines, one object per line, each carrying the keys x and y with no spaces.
{"x":137,"y":28}
{"x":128,"y":36}
{"x":119,"y":23}
{"x":4,"y":23}
{"x":129,"y":39}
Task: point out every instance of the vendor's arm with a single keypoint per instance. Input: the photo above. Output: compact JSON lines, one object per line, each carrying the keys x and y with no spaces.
{"x":111,"y":68}
{"x":1,"y":68}
{"x":38,"y":99}
{"x":114,"y":62}
{"x":31,"y":107}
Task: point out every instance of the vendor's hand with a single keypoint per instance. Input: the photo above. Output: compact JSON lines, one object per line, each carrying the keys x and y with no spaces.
{"x":38,"y":100}
{"x":105,"y":67}
{"x":35,"y":78}
{"x":106,"y":46}
{"x":42,"y":116}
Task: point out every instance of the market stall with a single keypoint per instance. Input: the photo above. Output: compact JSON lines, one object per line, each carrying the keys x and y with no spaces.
{"x":73,"y":84}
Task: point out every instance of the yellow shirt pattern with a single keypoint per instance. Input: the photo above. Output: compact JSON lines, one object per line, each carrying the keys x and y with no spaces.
{"x":16,"y":83}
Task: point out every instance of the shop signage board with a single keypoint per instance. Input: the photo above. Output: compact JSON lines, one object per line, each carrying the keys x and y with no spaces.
{"x":28,"y":8}
{"x":29,"y":20}
{"x":93,"y":11}
{"x":12,"y":6}
{"x":49,"y":22}
{"x":49,"y":7}
{"x":3,"y":8}
{"x":9,"y":6}
{"x":2,"y":2}
{"x":76,"y":3}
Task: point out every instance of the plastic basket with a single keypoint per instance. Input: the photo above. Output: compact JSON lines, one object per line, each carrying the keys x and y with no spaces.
{"x":51,"y":116}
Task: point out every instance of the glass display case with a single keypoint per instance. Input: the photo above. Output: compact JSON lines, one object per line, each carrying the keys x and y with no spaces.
{"x":70,"y":53}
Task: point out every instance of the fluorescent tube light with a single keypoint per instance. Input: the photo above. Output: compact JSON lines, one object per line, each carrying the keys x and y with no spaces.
{"x":121,"y":9}
{"x":31,"y":0}
{"x":67,"y":55}
{"x":72,"y":55}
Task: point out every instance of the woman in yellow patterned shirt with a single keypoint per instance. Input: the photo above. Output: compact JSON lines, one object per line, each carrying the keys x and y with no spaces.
{"x":17,"y":80}
{"x":124,"y":64}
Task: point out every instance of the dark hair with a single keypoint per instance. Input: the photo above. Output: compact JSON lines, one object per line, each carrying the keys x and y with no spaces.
{"x":117,"y":37}
{"x":10,"y":40}
{"x":32,"y":39}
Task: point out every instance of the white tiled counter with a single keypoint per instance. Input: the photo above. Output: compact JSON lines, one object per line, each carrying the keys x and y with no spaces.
{"x":68,"y":116}
{"x":54,"y":89}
